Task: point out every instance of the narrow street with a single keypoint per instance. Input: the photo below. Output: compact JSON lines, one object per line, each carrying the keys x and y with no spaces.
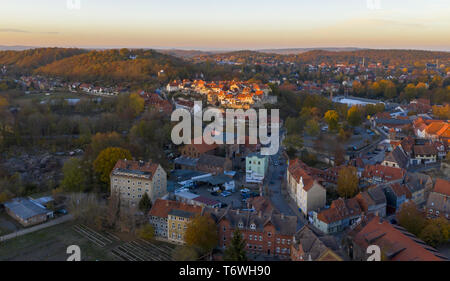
{"x":275,"y":176}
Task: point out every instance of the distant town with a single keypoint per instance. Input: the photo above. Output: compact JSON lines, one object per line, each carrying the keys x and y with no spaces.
{"x":87,"y":157}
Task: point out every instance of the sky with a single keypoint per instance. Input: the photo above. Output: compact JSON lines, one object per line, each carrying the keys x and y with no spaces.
{"x":227,"y":24}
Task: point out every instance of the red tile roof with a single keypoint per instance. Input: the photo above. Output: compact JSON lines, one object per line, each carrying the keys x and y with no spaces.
{"x":394,"y":241}
{"x":384,"y":172}
{"x":161,"y":208}
{"x":298,"y":172}
{"x":442,"y":186}
{"x":132,"y":165}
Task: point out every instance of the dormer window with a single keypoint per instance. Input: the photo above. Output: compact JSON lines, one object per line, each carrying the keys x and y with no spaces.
{"x":253,"y":226}
{"x":240,"y":225}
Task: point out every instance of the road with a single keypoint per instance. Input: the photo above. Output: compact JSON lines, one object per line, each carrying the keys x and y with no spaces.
{"x":275,"y":176}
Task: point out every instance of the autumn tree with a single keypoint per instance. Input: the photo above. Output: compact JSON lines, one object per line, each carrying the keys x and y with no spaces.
{"x":201,"y":233}
{"x":358,"y":88}
{"x":130,"y":106}
{"x":312,"y":127}
{"x":113,"y":210}
{"x":442,"y":112}
{"x":85,"y":207}
{"x":411,"y":218}
{"x":339,"y":156}
{"x":185,"y":253}
{"x":436,"y":232}
{"x":101,"y":141}
{"x":3,"y":102}
{"x":347,"y":184}
{"x":354,"y":117}
{"x":107,"y":159}
{"x":332,"y":119}
{"x":410,"y":91}
{"x":236,"y":249}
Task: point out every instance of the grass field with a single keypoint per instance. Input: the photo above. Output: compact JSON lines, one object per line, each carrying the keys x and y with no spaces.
{"x":50,"y":244}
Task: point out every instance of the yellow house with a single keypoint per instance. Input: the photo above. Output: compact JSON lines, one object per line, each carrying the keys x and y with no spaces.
{"x":178,"y":220}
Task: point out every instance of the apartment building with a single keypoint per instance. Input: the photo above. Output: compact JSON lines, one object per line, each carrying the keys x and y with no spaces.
{"x":304,"y":189}
{"x":265,"y":233}
{"x":131,"y":179}
{"x":178,"y":220}
{"x":256,"y":166}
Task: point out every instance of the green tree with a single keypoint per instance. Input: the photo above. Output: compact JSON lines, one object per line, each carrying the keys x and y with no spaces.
{"x":146,"y":232}
{"x":107,"y":159}
{"x":347,"y":185}
{"x":201,"y":233}
{"x":145,"y":204}
{"x":294,"y":142}
{"x":136,"y":103}
{"x":236,"y":250}
{"x":354,"y":117}
{"x":75,"y":176}
{"x":312,"y":127}
{"x":411,"y":218}
{"x":436,"y":232}
{"x":332,"y":119}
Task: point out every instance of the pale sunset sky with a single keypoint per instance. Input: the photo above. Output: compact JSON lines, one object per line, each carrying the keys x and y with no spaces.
{"x":227,"y":24}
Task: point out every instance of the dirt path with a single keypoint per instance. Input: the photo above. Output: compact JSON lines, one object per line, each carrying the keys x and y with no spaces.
{"x":36,"y":228}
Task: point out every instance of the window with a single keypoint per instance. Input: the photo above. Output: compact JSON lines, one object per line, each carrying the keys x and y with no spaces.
{"x":283,"y":240}
{"x":260,"y":237}
{"x":269,"y":234}
{"x":224,"y":229}
{"x":250,"y":237}
{"x":278,"y":240}
{"x":173,"y":225}
{"x":249,"y":246}
{"x":253,"y":226}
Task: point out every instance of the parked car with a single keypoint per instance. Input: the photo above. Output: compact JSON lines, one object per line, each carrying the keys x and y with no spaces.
{"x":225,"y":193}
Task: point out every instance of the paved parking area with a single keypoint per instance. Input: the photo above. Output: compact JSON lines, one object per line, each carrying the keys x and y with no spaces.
{"x":234,"y":200}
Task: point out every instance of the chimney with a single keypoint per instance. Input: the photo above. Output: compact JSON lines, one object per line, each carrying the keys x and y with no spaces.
{"x":167,"y":203}
{"x":237,"y":211}
{"x":260,"y":214}
{"x":282,"y":216}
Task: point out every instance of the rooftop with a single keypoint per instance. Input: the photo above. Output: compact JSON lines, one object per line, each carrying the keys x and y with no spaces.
{"x":25,"y":208}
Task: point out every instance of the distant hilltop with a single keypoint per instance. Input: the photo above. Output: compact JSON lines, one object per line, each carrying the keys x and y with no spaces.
{"x":293,"y":51}
{"x":16,"y":48}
